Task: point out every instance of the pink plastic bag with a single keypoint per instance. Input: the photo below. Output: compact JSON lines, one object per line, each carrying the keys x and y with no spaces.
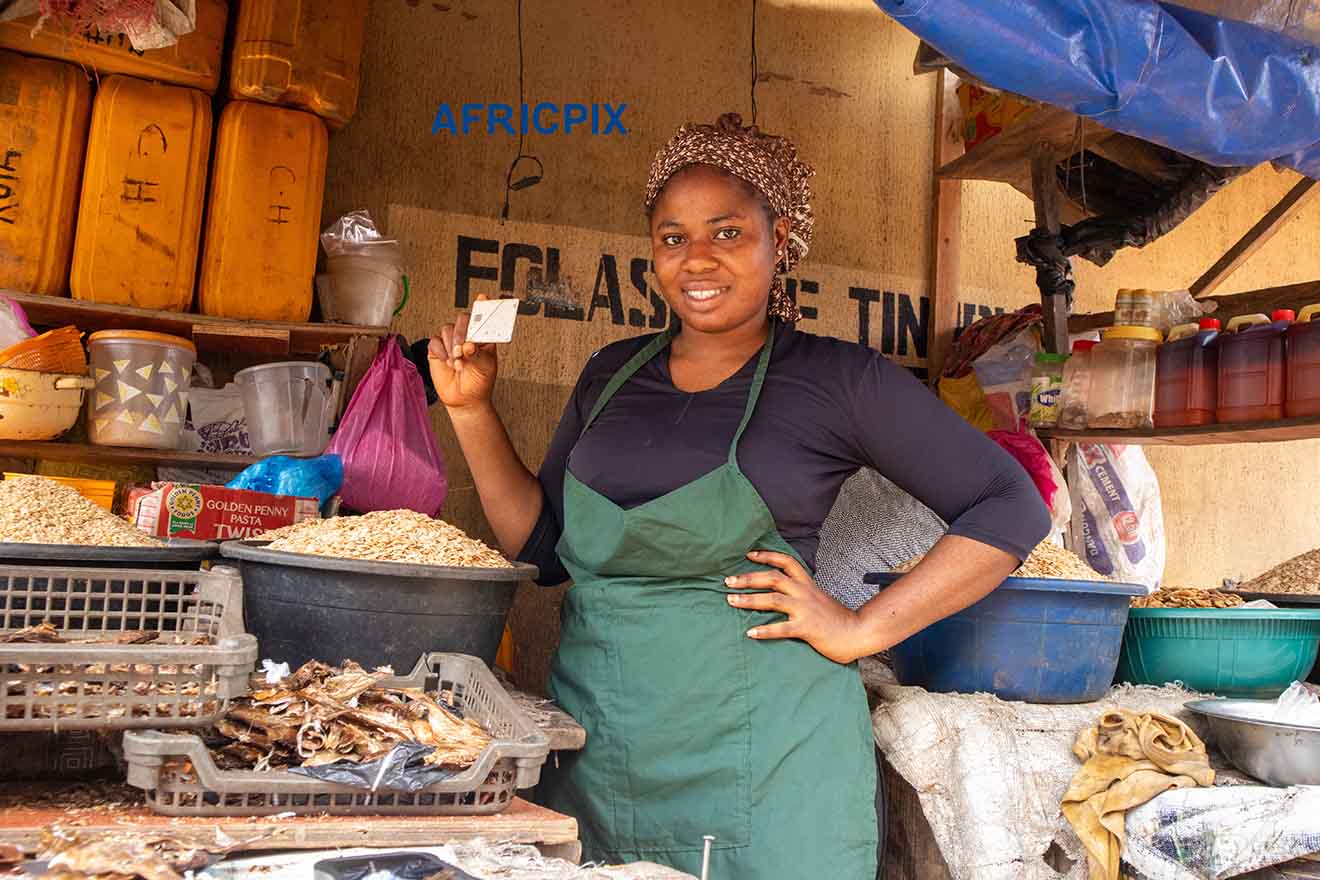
{"x":391,"y":458}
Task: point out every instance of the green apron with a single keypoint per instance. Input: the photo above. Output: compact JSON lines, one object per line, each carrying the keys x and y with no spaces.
{"x":692,"y":727}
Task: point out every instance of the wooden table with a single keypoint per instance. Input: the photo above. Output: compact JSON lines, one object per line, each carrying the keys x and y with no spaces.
{"x":523,"y":822}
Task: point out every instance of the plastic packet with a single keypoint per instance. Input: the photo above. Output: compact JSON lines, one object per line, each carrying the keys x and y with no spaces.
{"x":1174,"y":307}
{"x":391,"y":457}
{"x":355,"y":234}
{"x":1004,"y":374}
{"x":1044,"y":473}
{"x":14,"y":326}
{"x":317,"y":478}
{"x":403,"y":768}
{"x":1298,"y":705}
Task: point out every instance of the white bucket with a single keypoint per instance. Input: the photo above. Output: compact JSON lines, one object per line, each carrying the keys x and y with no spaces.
{"x":287,"y":406}
{"x":359,"y":290}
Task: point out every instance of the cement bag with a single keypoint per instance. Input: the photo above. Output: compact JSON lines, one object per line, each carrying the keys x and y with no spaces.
{"x":1118,"y":520}
{"x":390,"y":455}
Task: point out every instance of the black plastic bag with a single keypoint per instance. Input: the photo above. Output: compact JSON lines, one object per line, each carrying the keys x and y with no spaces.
{"x":403,"y":769}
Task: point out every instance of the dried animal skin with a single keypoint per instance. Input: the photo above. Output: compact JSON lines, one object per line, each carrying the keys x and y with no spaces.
{"x":1048,"y":561}
{"x":42,"y":633}
{"x":386,"y":536}
{"x":46,"y":633}
{"x":1301,"y":574}
{"x":1187,"y":597}
{"x":34,"y":510}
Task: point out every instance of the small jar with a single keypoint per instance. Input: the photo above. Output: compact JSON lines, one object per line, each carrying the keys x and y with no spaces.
{"x":1046,"y":383}
{"x":1143,"y":309}
{"x":1076,"y":387}
{"x":1123,"y":379}
{"x":1123,"y":307}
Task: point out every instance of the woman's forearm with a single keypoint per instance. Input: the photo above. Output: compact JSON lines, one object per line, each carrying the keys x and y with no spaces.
{"x":510,"y":494}
{"x":956,"y":573}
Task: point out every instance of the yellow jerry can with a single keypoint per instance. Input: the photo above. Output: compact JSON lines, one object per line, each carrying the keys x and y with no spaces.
{"x":144,"y":183}
{"x":44,"y":109}
{"x":299,"y":53}
{"x":193,"y":61}
{"x":264,"y":214}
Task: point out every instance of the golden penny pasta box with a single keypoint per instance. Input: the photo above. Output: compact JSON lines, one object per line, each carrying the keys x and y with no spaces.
{"x":214,"y":513}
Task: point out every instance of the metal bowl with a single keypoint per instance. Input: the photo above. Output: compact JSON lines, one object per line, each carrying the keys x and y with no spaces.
{"x":1279,"y":754}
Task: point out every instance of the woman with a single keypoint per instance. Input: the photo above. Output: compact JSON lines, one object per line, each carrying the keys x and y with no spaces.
{"x":683,"y":493}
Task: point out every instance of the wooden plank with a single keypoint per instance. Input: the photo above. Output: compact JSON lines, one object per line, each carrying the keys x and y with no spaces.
{"x":236,"y":337}
{"x":1256,"y":237}
{"x":1045,"y":198}
{"x":946,"y":220}
{"x":522,"y":822}
{"x":565,"y":733}
{"x":1007,"y":156}
{"x":56,"y":311}
{"x":1265,"y":300}
{"x":53,"y":450}
{"x":910,"y":848}
{"x":1202,"y":435}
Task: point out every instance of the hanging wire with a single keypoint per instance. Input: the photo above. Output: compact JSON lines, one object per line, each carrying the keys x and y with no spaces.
{"x":530,"y":180}
{"x":755,"y":72}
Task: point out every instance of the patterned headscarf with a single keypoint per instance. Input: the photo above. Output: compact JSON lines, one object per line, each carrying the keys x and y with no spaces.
{"x":768,"y":163}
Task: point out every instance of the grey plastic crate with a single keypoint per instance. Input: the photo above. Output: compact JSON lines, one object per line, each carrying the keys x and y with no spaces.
{"x":158,"y":763}
{"x":55,"y":687}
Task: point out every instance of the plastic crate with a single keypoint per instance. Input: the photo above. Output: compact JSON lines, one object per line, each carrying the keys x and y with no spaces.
{"x":119,"y":686}
{"x":180,"y":779}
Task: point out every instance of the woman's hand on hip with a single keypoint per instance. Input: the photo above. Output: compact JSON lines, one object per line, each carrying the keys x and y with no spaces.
{"x":814,"y":616}
{"x":463,"y":372}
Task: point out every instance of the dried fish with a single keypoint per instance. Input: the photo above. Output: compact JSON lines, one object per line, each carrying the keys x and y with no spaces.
{"x":1187,"y":597}
{"x":321,"y":714}
{"x":1301,"y":574}
{"x":78,"y":855}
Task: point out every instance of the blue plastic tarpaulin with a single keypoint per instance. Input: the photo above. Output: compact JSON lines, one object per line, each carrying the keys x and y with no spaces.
{"x":1220,"y":90}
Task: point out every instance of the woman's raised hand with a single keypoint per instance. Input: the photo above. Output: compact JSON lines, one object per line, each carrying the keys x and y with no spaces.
{"x":463,"y":372}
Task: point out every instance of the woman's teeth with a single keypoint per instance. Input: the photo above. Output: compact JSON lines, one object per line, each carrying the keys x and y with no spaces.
{"x":703,"y":294}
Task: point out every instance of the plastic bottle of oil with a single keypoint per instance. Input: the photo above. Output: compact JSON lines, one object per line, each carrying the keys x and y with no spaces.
{"x":140,"y":216}
{"x":193,"y":61}
{"x":44,"y":111}
{"x":299,"y":53}
{"x":1252,"y":370}
{"x":259,"y":257}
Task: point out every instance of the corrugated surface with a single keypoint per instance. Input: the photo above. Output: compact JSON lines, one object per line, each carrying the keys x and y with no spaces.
{"x":264,"y":214}
{"x":299,"y":53}
{"x":140,"y":215}
{"x":193,"y":61}
{"x":44,"y":111}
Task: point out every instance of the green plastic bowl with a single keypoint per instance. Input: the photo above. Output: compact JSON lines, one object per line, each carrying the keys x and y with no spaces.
{"x":1245,"y":654}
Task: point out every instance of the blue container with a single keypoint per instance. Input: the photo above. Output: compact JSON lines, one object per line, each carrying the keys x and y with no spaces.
{"x":1038,"y":641}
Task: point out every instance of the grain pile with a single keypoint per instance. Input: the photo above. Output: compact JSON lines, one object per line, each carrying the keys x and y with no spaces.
{"x":1301,"y":574}
{"x":1187,"y":597}
{"x":386,"y":536}
{"x":1048,"y":561}
{"x":34,"y":510}
{"x":322,"y":714}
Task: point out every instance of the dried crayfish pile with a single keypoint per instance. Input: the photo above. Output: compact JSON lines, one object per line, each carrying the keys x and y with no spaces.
{"x":322,"y":714}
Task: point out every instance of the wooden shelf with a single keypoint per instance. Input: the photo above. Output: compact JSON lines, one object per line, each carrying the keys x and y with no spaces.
{"x":1202,"y":435}
{"x":54,"y":450}
{"x":208,"y":333}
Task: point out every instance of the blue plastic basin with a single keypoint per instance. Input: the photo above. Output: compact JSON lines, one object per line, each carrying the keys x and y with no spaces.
{"x":1038,"y":641}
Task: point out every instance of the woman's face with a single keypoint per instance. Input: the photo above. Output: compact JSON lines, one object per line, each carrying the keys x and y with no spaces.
{"x":714,"y":248}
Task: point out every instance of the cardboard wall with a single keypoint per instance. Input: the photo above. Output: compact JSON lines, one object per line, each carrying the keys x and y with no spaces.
{"x":836,"y":77}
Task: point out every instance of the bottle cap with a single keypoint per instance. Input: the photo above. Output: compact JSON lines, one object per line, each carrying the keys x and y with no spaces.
{"x":1048,"y":357}
{"x":1145,"y":334}
{"x":1210,"y":324}
{"x":1083,"y":345}
{"x":1283,"y":315}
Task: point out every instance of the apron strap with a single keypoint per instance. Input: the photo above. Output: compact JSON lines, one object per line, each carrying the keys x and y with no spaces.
{"x":635,"y":363}
{"x":654,"y":347}
{"x":762,"y":367}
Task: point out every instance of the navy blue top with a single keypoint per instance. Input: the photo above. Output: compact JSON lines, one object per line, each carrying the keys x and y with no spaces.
{"x":828,"y":408}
